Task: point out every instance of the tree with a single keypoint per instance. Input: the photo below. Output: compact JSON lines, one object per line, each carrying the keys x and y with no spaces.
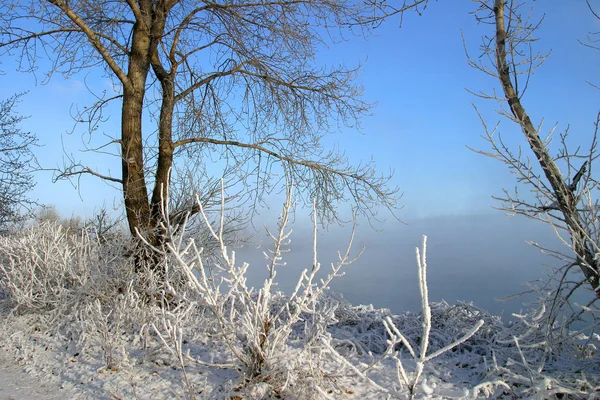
{"x":15,"y":166}
{"x":564,"y":186}
{"x":103,"y":226}
{"x":48,"y":214}
{"x":229,"y":82}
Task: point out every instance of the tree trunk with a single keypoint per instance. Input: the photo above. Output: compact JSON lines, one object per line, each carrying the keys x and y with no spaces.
{"x":144,"y":216}
{"x":159,"y":201}
{"x":135,"y":192}
{"x":564,"y":195}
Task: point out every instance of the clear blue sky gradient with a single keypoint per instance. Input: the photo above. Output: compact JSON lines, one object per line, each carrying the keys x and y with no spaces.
{"x":423,"y":121}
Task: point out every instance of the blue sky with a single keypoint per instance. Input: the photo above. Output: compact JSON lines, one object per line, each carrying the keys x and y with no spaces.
{"x":420,"y":127}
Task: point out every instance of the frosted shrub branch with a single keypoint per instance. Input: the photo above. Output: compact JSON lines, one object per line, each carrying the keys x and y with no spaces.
{"x":172,"y":323}
{"x":306,"y":345}
{"x":254,"y":324}
{"x":396,"y":337}
{"x":42,"y":267}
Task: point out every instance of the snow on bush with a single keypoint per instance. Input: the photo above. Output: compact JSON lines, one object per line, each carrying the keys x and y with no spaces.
{"x":199,"y":331}
{"x":50,"y":269}
{"x":422,"y":357}
{"x":43,"y":266}
{"x":257,"y":325}
{"x":77,"y":286}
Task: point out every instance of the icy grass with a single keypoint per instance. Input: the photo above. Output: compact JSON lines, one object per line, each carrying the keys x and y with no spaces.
{"x":74,"y":312}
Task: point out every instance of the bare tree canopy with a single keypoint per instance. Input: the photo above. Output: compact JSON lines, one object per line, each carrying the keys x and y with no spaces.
{"x":233,"y":83}
{"x":15,"y":165}
{"x":563,"y":187}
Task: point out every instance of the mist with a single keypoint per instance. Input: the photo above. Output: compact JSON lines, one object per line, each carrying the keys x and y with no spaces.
{"x":477,"y":258}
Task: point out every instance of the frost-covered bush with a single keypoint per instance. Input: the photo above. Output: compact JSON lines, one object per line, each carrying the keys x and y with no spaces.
{"x":416,"y":342}
{"x":83,"y":288}
{"x":51,"y":271}
{"x":260,"y":327}
{"x":532,"y":366}
{"x":199,"y":315}
{"x":44,"y":266}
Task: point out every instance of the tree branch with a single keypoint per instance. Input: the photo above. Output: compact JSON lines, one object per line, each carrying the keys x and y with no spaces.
{"x":94,"y":40}
{"x":69,"y":172}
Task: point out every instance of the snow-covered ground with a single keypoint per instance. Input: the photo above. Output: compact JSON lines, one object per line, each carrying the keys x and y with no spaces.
{"x":41,"y":365}
{"x":77,"y":322}
{"x":17,"y":384}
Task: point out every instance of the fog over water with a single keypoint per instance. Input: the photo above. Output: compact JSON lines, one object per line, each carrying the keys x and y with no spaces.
{"x":477,"y":258}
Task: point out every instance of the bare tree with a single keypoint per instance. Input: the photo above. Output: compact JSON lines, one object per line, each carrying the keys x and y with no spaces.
{"x":48,"y":214}
{"x":563,"y":186}
{"x":228,"y":83}
{"x":103,"y":225}
{"x":15,"y":166}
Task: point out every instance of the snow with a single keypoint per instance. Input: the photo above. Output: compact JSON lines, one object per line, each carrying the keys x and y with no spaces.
{"x":16,"y":384}
{"x":89,"y":329}
{"x":37,"y":364}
